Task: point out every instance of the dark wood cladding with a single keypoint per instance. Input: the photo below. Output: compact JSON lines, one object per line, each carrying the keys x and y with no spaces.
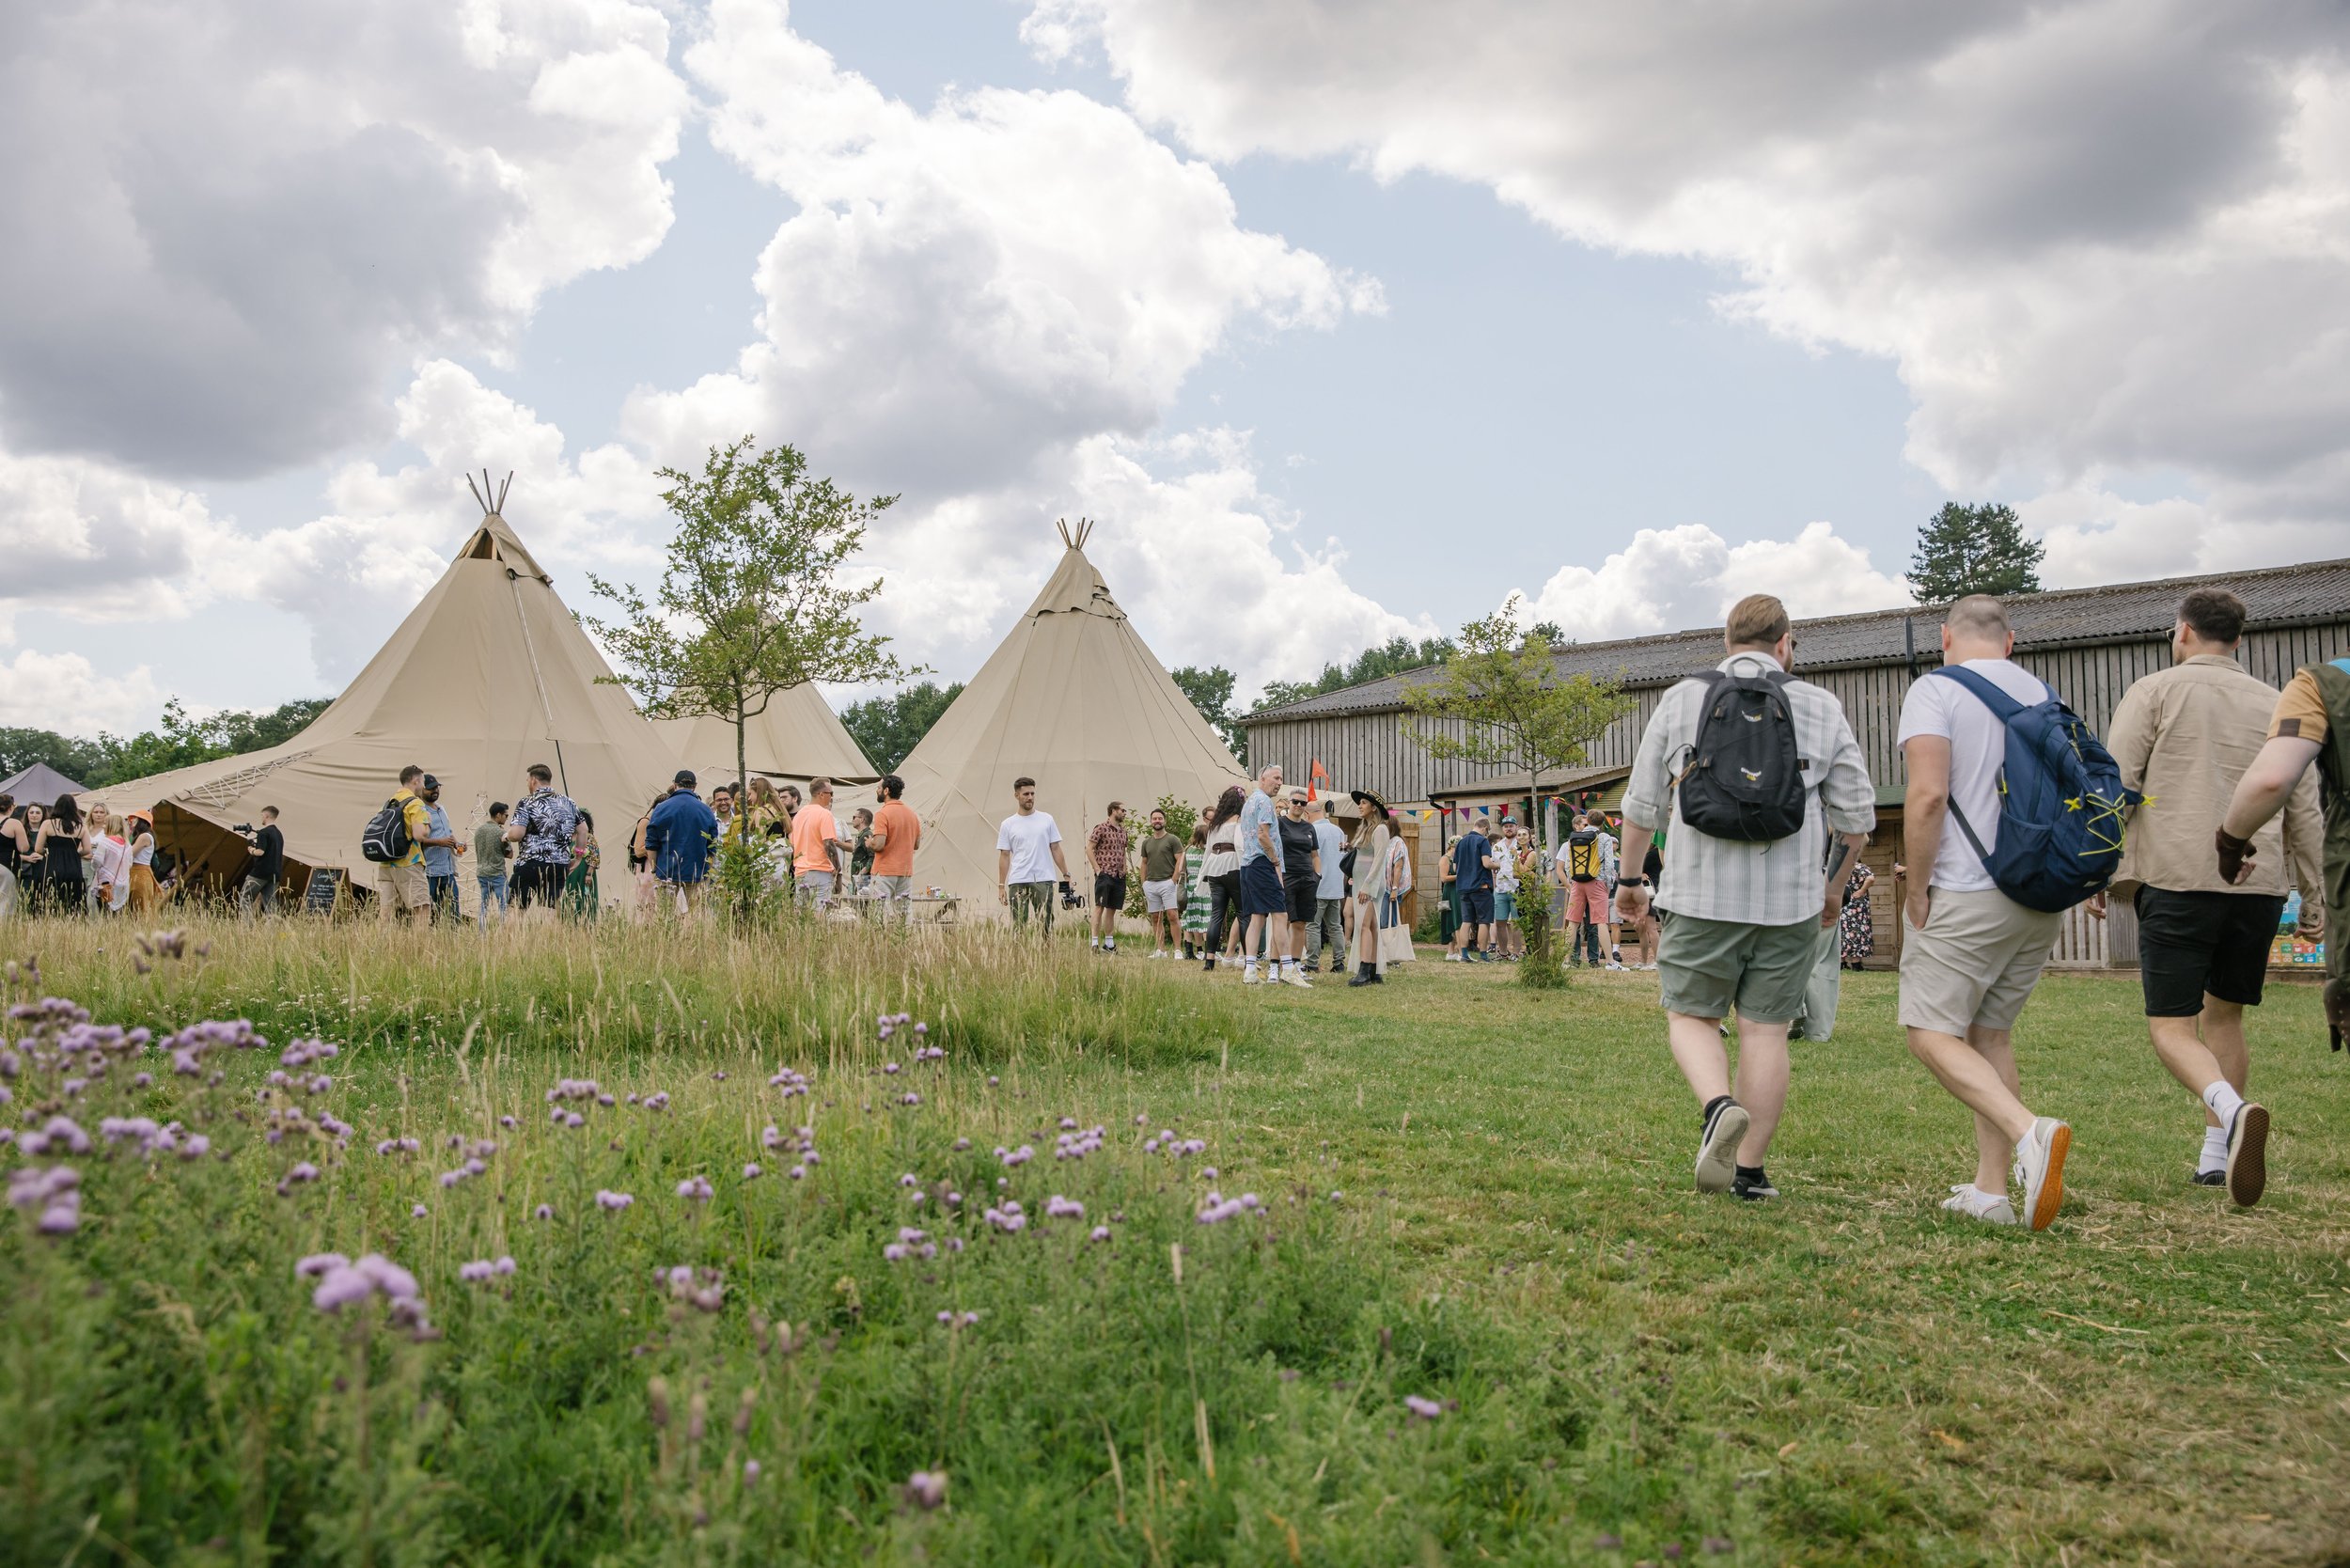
{"x":1370,"y":750}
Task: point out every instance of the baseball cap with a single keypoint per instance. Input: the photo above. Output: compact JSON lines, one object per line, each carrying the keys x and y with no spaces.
{"x":684,"y":776}
{"x":430,"y":782}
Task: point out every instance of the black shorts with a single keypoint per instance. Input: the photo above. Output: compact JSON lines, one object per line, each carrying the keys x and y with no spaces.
{"x":538,"y":882}
{"x":1302,"y":896}
{"x":1109,"y":892}
{"x":1477,"y":908}
{"x":2190,"y":944}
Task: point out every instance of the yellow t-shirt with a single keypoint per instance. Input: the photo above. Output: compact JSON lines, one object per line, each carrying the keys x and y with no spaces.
{"x":419,"y":823}
{"x":2300,"y":711}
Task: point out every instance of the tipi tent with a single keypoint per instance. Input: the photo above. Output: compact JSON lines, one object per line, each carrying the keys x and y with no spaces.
{"x":488,"y":674}
{"x":1073,"y":699}
{"x":38,"y":783}
{"x":799,"y":736}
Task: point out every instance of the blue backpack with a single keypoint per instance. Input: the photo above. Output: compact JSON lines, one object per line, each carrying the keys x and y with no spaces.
{"x":2062,"y":802}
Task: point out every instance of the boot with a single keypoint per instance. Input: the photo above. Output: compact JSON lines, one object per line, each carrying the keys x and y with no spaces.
{"x":1208,"y":963}
{"x":1366,"y":973}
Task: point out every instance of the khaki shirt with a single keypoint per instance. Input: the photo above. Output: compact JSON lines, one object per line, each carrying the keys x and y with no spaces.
{"x":2184,"y":736}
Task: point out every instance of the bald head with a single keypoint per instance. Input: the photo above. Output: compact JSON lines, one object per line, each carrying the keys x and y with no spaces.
{"x":1975,"y":627}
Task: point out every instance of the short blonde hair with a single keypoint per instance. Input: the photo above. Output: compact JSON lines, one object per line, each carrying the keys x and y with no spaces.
{"x":1979,"y":616}
{"x":1758,"y":621}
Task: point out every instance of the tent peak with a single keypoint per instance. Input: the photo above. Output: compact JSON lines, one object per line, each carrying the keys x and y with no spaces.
{"x":1074,"y":537}
{"x":481,"y":497}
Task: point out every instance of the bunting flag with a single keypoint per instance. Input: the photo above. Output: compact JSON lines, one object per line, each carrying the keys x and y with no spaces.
{"x":1314,"y":775}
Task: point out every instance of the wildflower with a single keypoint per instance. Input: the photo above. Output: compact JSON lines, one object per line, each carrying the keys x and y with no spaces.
{"x":751,"y":1172}
{"x":418,"y":1212}
{"x":909,"y":1180}
{"x":993,"y":1080}
{"x":1207,"y":1173}
{"x":658,"y":1100}
{"x":1058,"y":1207}
{"x":954,"y":1200}
{"x":751,"y":1472}
{"x":910,"y":1098}
{"x":504,"y":1265}
{"x":451,"y":1178}
{"x":614,"y":1201}
{"x":303,"y":1171}
{"x":1141,"y":1120}
{"x":387,"y":1276}
{"x":797,"y":1172}
{"x":1101,"y":1232}
{"x":961,"y":1144}
{"x":926,"y":1490}
{"x":572,"y":1119}
{"x":1423,"y":1409}
{"x":1009,"y":1218}
{"x":890,"y":1067}
{"x":607,"y":1100}
{"x":476,"y":1272}
{"x":343,"y":1285}
{"x":1019,"y":1157}
{"x":954,"y":1243}
{"x":702,"y":1288}
{"x":510,"y":1120}
{"x":138,"y":1080}
{"x":771,"y":1136}
{"x":958,"y":1320}
{"x":544,"y":1210}
{"x":57,"y":1130}
{"x":696,"y":1190}
{"x":719,"y":1076}
{"x":319,"y":1262}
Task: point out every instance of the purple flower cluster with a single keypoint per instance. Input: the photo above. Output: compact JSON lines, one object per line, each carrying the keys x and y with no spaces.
{"x":803,"y":1142}
{"x":169,"y":1138}
{"x":397,"y":1146}
{"x":343,"y":1283}
{"x":1008,"y":1218}
{"x":910,"y":1244}
{"x":890,"y":1022}
{"x":1058,"y":1207}
{"x":926,"y":1490}
{"x":789,"y":1081}
{"x":575,"y":1089}
{"x":1077,"y":1146}
{"x":696,"y":1190}
{"x":958,"y":1320}
{"x":1011,"y":1157}
{"x":1167,"y":1143}
{"x":701,"y":1288}
{"x":1422,"y":1409}
{"x":482,"y":1270}
{"x":929,"y":1053}
{"x":611,"y":1201}
{"x":1220,"y":1208}
{"x":54,"y":1194}
{"x":61,"y":1134}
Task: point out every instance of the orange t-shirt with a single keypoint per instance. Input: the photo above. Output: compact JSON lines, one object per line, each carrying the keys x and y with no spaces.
{"x":809,"y":829}
{"x":897,"y":821}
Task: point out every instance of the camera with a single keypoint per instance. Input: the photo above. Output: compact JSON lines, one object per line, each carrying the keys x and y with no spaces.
{"x":246,"y":828}
{"x":1071,"y":898}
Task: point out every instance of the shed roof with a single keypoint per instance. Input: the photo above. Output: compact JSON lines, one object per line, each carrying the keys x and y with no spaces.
{"x":2314,"y":593}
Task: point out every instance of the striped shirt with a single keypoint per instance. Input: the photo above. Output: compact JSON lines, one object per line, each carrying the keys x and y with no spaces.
{"x":1774,"y":884}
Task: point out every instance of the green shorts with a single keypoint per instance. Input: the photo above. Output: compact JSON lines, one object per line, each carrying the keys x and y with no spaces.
{"x":1706,"y":966}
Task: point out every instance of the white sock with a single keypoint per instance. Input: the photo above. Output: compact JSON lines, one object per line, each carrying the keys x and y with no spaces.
{"x":2223,"y":1100}
{"x":2214,"y":1156}
{"x":1252,"y":963}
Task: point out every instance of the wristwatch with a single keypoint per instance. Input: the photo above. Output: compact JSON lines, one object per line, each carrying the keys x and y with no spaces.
{"x":1632,"y":882}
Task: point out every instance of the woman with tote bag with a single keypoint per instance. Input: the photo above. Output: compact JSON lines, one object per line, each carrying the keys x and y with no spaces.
{"x":1381,"y":858}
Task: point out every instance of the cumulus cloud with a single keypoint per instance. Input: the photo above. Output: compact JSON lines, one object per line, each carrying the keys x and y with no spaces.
{"x":96,"y":541}
{"x":63,"y":692}
{"x":2097,"y":237}
{"x":240,"y":222}
{"x":1675,"y":579}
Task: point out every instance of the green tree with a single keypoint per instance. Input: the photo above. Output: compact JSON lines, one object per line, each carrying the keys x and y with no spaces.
{"x":1211,"y":692}
{"x":1979,"y":549}
{"x":19,"y":748}
{"x":887,"y":729}
{"x":752,"y":602}
{"x":1514,"y":709}
{"x":1393,"y":657}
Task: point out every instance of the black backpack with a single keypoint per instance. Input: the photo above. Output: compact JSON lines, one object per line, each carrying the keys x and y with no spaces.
{"x":1744,"y":778}
{"x":384,"y":839}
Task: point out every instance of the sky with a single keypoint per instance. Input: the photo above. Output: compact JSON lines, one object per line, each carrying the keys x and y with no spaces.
{"x":1344,"y":319}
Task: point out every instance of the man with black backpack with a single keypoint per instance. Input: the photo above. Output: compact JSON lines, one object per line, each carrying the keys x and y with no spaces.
{"x":2014,"y":813}
{"x":394,"y":840}
{"x":1757,"y":772}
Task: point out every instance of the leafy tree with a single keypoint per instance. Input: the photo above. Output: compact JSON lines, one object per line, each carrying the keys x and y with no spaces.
{"x":181,"y":742}
{"x":20,"y":748}
{"x":1516,"y":711}
{"x":1392,"y":657}
{"x":1211,"y":692}
{"x":1550,"y":631}
{"x":751,"y":603}
{"x":1979,"y":549}
{"x":887,"y":729}
{"x":243,"y":732}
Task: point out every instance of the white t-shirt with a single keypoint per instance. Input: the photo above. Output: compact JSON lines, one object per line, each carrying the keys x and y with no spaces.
{"x":1030,"y":838}
{"x":1937,"y":705}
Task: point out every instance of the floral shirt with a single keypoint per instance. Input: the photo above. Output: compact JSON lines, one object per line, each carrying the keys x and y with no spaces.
{"x":1106,"y":845}
{"x":548,"y":820}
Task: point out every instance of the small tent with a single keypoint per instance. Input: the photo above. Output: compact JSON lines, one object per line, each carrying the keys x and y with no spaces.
{"x":1074,"y":699}
{"x":38,"y":784}
{"x":487,"y":675}
{"x":798,"y":737}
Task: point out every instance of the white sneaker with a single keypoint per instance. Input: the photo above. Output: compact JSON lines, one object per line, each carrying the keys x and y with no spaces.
{"x":2040,"y":1169}
{"x":1992,"y":1208}
{"x":1161,"y":953}
{"x":1297,"y":977}
{"x":1452,"y":958}
{"x":1248,"y":976}
{"x":1618,"y":967}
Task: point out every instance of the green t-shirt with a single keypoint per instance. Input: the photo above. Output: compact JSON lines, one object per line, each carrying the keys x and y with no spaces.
{"x":489,"y":850}
{"x":1160,"y":852}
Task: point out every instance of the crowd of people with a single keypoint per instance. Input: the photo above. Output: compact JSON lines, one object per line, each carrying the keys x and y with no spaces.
{"x":61,"y":859}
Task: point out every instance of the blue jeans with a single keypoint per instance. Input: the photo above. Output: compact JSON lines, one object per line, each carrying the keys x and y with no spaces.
{"x":492,"y":891}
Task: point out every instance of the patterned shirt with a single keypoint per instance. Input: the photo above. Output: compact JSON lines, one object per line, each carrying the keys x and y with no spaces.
{"x":1774,"y":884}
{"x":548,"y":820}
{"x":1105,"y":846}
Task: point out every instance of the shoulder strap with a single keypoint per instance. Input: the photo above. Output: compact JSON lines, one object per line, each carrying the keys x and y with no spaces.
{"x":2002,"y":706}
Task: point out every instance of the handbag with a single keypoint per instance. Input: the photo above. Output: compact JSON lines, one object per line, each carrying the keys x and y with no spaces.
{"x":1395,"y":937}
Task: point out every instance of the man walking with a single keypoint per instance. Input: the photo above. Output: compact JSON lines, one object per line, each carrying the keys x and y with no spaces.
{"x":1162,"y":856}
{"x":2184,"y":737}
{"x":1473,"y":877}
{"x":1106,"y":850}
{"x":490,"y":849}
{"x":896,"y":834}
{"x":1584,"y":858}
{"x":678,"y":836}
{"x":815,"y":847}
{"x":1027,"y":854}
{"x":265,"y":863}
{"x":401,"y":883}
{"x":441,"y":850}
{"x":1506,"y":942}
{"x":543,"y":824}
{"x":1972,"y":955}
{"x":1263,"y":903}
{"x":1329,"y":932}
{"x":1741,"y":915}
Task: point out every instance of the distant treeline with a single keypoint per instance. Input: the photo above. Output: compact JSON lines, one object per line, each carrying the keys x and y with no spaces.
{"x":181,"y":742}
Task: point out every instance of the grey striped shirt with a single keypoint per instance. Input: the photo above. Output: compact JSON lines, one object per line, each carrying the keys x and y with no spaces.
{"x":1726,"y":879}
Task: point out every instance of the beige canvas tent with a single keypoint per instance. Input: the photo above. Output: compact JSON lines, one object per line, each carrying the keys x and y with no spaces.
{"x":487,"y":675}
{"x":1073,"y":699}
{"x":798,"y":737}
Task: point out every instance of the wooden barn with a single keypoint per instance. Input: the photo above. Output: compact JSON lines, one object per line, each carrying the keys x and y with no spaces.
{"x":2089,"y":644}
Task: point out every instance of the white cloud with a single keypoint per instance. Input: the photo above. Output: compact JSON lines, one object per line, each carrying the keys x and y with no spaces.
{"x":63,"y":692}
{"x":1675,"y":579}
{"x":240,"y":221}
{"x":97,"y":542}
{"x":2108,"y":236}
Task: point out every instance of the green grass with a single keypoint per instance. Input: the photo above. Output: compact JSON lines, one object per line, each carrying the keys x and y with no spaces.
{"x":1846,"y":1376}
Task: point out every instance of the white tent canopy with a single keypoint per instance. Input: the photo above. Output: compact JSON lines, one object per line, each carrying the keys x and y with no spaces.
{"x":798,"y":737}
{"x":1074,"y":699}
{"x":487,"y":675}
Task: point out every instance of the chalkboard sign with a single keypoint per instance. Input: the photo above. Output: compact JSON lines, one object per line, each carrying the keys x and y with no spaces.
{"x":326,"y":885}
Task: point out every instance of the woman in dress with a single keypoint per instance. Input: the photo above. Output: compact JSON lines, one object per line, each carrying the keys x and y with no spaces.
{"x":11,"y":851}
{"x":580,"y":894}
{"x":60,"y":850}
{"x":763,"y":807}
{"x":1383,"y":875}
{"x":107,"y":857}
{"x":1220,"y":868}
{"x":147,"y":895}
{"x":1195,"y":901}
{"x":1858,"y":923}
{"x":32,"y":876}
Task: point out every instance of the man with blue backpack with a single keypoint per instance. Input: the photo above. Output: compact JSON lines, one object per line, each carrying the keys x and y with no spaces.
{"x":2014,"y":814}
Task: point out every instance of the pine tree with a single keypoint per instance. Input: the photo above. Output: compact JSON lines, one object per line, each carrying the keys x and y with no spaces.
{"x":1979,"y":549}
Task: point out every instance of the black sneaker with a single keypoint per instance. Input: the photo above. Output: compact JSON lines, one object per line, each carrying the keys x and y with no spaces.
{"x":2208,"y":1179}
{"x":2247,"y":1153}
{"x":1752,"y":1185}
{"x":1717,"y":1148}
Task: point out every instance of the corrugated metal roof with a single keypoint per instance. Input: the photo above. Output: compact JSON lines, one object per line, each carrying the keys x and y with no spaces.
{"x":2308,"y":594}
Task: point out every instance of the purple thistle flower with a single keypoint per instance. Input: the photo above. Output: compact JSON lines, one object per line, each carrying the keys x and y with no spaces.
{"x":751,"y":1472}
{"x":387,"y":1276}
{"x":961,"y":1144}
{"x":1058,"y":1207}
{"x":139,"y":1080}
{"x":418,"y":1212}
{"x":303,"y":1171}
{"x":910,"y":1098}
{"x":319,"y":1262}
{"x":1423,"y":1409}
{"x":890,"y":1067}
{"x":544,"y":1210}
{"x":504,"y":1265}
{"x":1101,"y":1232}
{"x":797,"y":1172}
{"x":475,"y":1273}
{"x":926,"y":1490}
{"x":771,"y":1136}
{"x":343,"y":1285}
{"x":954,"y":1243}
{"x":696,"y":1190}
{"x":909,"y":1180}
{"x":451,"y":1178}
{"x":62,"y":1215}
{"x":751,"y":1172}
{"x":572,"y":1119}
{"x":615,"y":1201}
{"x":510,"y":1120}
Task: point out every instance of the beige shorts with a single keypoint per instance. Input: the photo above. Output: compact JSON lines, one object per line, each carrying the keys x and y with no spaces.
{"x":403,"y":888}
{"x":1974,"y":962}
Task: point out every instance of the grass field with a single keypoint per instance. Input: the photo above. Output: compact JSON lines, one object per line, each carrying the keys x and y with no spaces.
{"x":1466,"y":1194}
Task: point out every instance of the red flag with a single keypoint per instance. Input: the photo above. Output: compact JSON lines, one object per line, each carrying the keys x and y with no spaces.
{"x":1314,"y":775}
